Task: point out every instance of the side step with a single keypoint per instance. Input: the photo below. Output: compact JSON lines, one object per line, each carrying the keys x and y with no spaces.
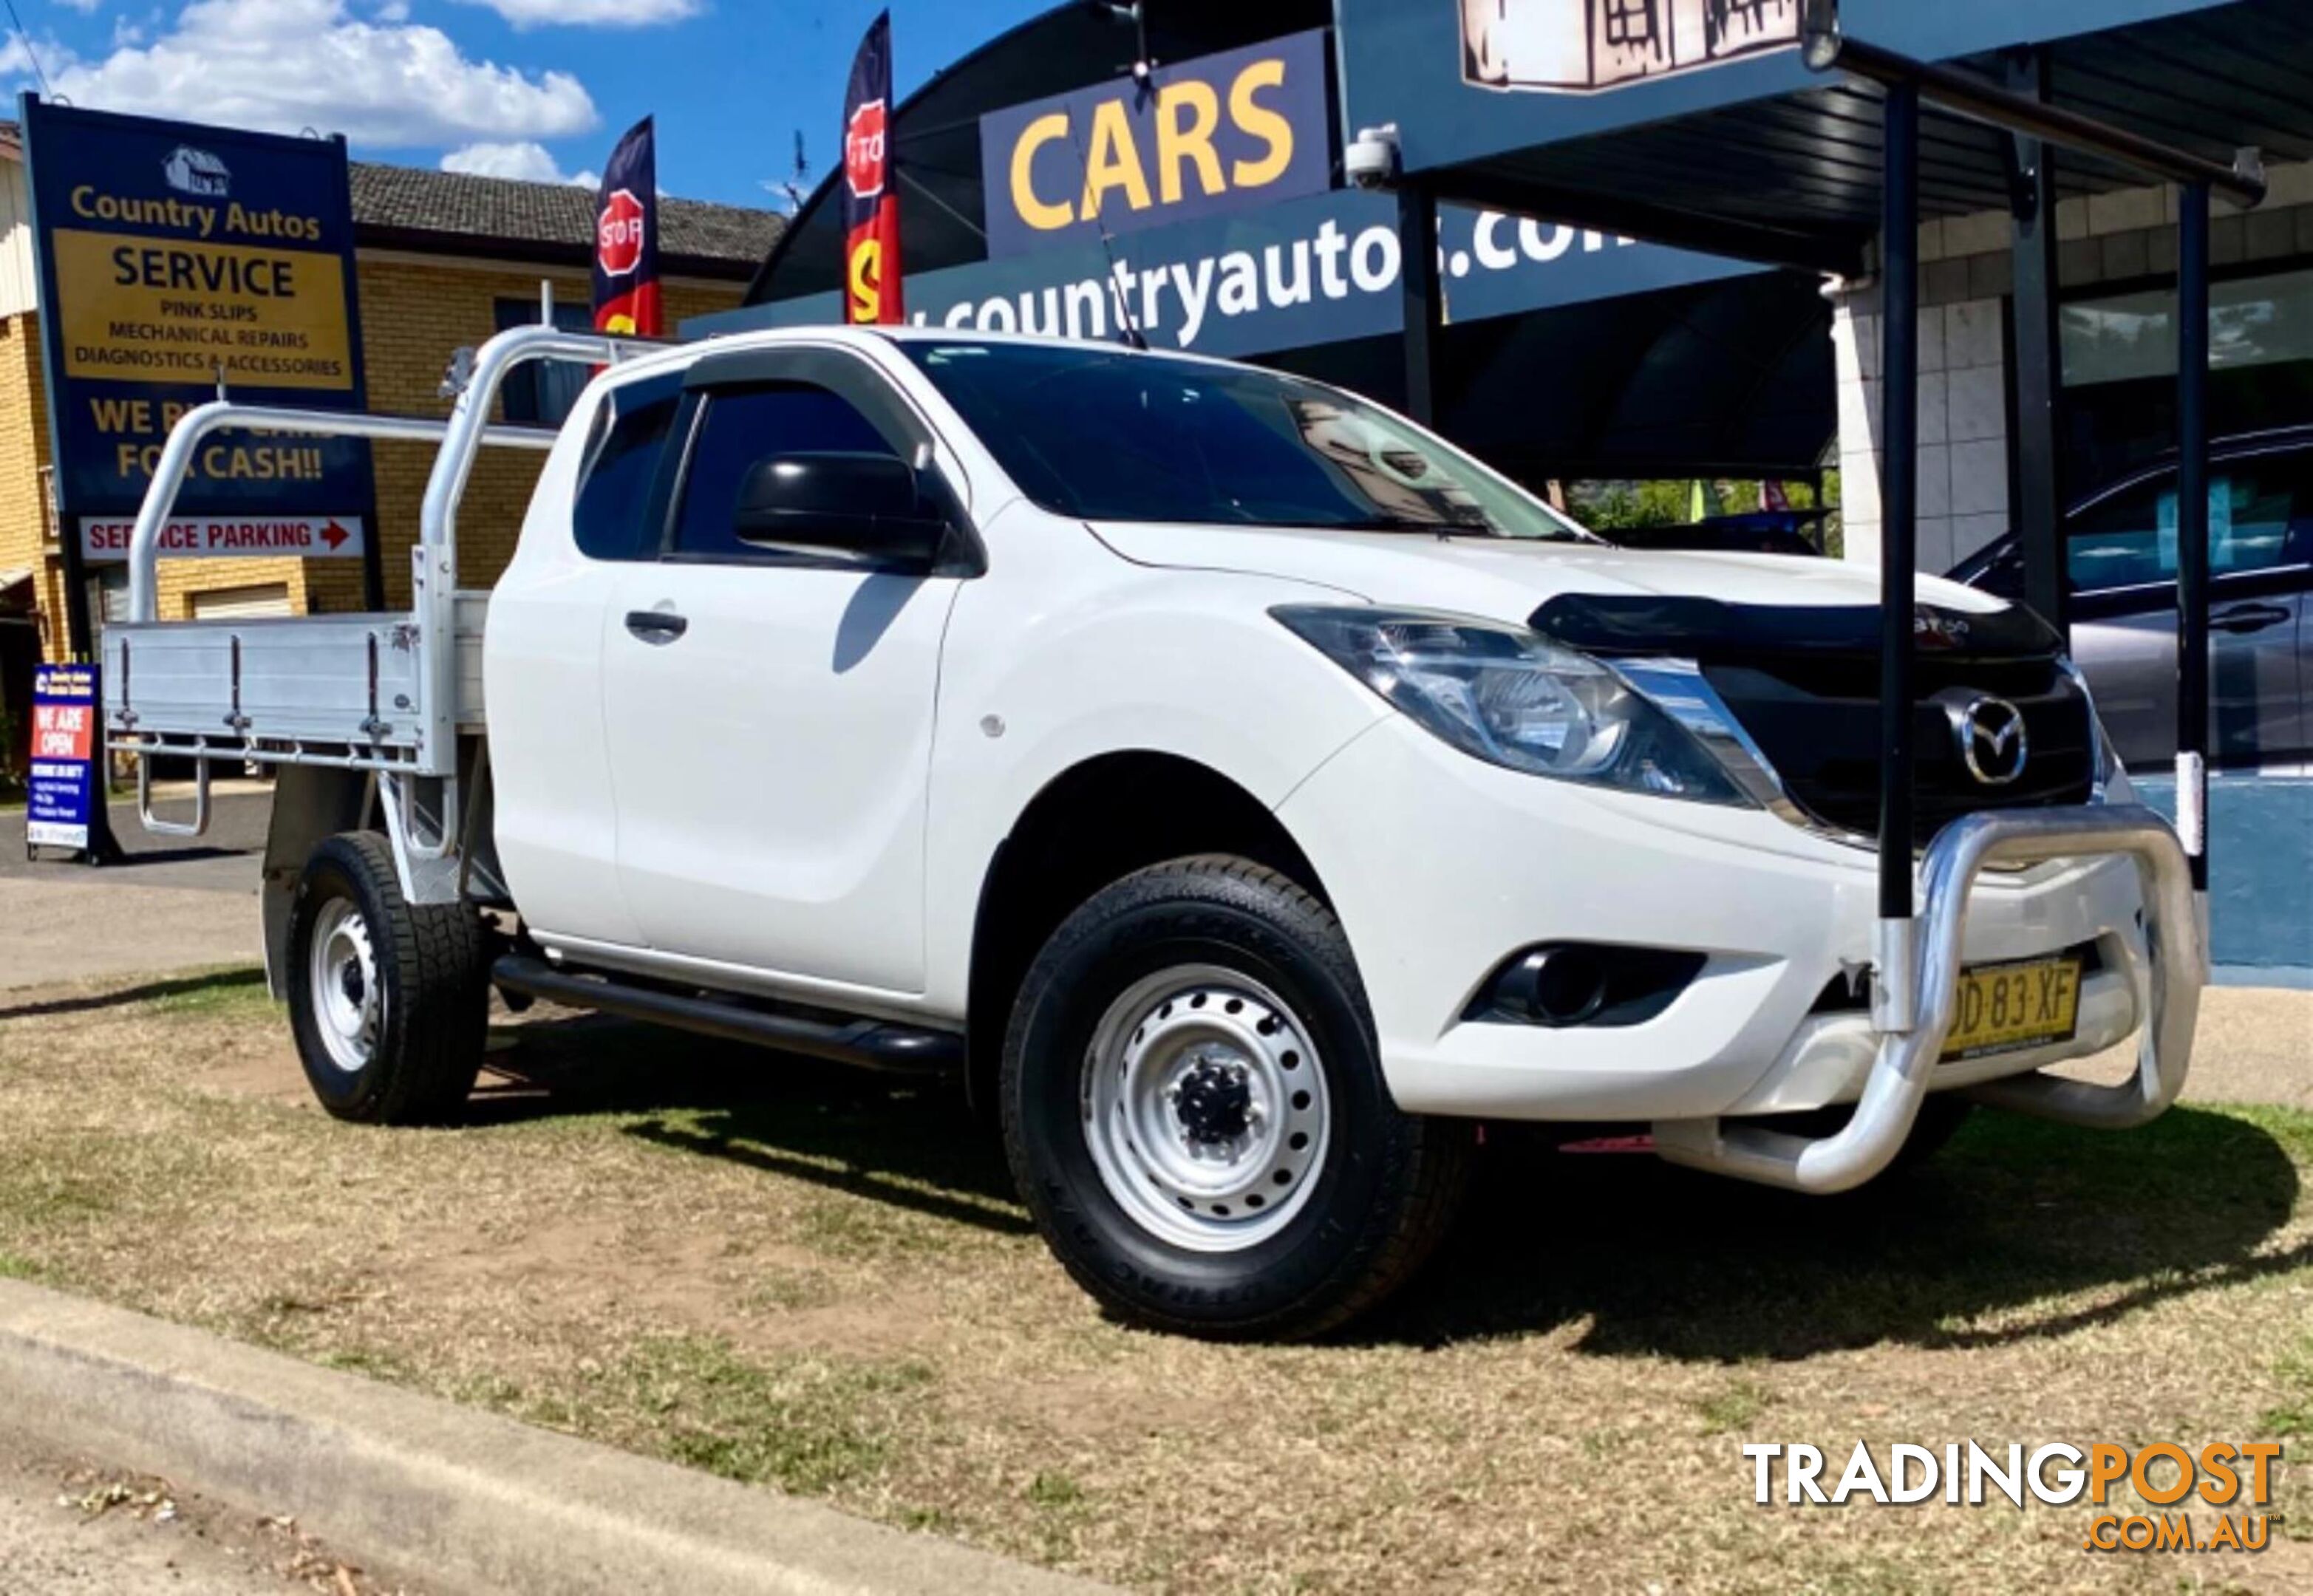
{"x":873,"y":1044}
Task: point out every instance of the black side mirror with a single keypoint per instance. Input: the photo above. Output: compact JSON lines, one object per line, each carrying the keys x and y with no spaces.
{"x":867,"y":505}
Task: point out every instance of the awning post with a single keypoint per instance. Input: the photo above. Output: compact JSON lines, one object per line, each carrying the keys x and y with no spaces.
{"x":2039,"y":371}
{"x":1417,"y":239}
{"x":2193,"y":528}
{"x":1895,"y":1000}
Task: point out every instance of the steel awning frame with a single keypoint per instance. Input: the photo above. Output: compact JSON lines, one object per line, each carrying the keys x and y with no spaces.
{"x":1908,"y":85}
{"x":1905,"y":85}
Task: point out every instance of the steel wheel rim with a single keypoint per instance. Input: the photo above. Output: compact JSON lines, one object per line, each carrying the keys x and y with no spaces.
{"x":348,"y":1001}
{"x":1205,"y":1109}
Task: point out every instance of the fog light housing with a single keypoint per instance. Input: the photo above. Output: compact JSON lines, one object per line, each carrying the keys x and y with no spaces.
{"x":1562,"y":985}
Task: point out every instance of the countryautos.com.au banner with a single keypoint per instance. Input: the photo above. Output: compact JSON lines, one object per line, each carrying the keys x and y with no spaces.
{"x":1312,"y":271}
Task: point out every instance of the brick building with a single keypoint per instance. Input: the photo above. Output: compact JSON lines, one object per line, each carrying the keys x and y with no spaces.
{"x":443,"y":260}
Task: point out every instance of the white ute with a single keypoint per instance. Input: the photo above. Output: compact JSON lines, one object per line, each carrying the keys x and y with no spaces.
{"x":1248,"y":792}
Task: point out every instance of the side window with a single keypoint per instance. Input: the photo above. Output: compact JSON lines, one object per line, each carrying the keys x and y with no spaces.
{"x":612,"y":520}
{"x":2253,"y":525}
{"x":2118,"y":544}
{"x":740,"y":426}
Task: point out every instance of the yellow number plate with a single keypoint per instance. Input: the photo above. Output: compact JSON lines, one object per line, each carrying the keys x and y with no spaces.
{"x":2003,"y":1007}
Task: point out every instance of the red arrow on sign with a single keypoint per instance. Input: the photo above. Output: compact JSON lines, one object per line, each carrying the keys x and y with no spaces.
{"x":335,"y":536}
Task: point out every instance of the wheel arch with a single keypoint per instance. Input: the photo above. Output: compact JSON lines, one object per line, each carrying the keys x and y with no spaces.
{"x":1094,"y":823}
{"x":309,"y":803}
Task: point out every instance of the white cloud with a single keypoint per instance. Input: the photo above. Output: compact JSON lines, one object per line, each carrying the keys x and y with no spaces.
{"x":86,"y":8}
{"x":592,"y":14}
{"x":289,"y":65}
{"x":18,"y":60}
{"x":525,"y":159}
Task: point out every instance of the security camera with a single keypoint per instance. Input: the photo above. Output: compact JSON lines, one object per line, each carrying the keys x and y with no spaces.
{"x":1372,"y":160}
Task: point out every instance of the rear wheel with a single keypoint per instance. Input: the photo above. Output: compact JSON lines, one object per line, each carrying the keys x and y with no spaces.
{"x":389,"y":1000}
{"x":1195,"y":1112}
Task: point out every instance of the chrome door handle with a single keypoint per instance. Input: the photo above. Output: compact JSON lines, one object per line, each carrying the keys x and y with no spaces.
{"x":2249,"y":617}
{"x":656,"y":627}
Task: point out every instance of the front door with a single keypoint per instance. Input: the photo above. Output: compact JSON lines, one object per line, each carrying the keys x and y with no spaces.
{"x":770,"y":713}
{"x":2122,"y":556}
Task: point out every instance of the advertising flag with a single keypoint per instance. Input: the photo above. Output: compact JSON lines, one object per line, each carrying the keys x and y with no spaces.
{"x":626,"y":239}
{"x":871,"y":205}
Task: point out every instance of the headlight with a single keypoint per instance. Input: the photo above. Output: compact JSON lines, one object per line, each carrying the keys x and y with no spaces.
{"x":1508,"y":697}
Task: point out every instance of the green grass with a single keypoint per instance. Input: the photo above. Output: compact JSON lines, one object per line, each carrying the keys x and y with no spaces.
{"x":228,"y":994}
{"x":2292,"y":1418}
{"x":804,"y":1425}
{"x":1733,"y":1406}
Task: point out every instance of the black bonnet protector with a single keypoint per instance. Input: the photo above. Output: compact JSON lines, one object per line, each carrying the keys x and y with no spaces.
{"x":1709,"y":631}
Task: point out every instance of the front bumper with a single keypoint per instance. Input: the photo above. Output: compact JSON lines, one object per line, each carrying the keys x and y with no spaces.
{"x":1441,"y":866}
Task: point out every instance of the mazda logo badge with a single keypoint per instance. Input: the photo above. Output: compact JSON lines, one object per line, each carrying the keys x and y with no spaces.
{"x":1990,"y":735}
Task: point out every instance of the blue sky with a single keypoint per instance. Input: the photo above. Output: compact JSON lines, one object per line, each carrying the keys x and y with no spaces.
{"x":529,"y":88}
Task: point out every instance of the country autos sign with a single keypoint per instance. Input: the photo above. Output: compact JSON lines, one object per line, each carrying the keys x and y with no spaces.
{"x":1317,"y":270}
{"x":1235,"y":131}
{"x":176,"y":261}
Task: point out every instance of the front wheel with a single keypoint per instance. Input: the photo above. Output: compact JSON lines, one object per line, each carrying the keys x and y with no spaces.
{"x":1195,"y":1112}
{"x":390,"y":1000}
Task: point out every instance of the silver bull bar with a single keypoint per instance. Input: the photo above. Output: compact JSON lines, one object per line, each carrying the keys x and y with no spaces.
{"x":1924,"y":989}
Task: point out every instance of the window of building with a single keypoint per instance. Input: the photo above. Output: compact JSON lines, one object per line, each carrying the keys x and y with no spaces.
{"x":2120,"y":371}
{"x":542,"y":393}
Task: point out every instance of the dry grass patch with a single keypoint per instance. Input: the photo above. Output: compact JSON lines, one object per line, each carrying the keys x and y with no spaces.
{"x":819,"y":1281}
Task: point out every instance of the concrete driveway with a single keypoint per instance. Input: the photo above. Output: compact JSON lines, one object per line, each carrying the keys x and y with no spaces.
{"x":171,"y":904}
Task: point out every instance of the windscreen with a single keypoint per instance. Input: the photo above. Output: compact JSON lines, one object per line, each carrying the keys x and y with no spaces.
{"x":1124,"y":436}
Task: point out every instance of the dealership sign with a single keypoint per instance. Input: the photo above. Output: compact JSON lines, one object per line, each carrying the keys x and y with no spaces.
{"x":1579,"y":46}
{"x":1318,"y":270}
{"x":63,"y":789}
{"x":177,"y":259}
{"x":1232,"y":132}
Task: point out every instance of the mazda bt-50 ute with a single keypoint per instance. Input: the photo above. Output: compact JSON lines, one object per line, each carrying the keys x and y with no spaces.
{"x":1249,"y":793}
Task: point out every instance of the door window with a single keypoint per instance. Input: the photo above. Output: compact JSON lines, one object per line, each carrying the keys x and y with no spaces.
{"x":612,"y":517}
{"x":739,"y":428}
{"x":2257,"y":522}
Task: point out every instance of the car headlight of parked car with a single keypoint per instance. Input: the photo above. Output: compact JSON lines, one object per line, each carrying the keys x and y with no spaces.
{"x":1505,"y":696}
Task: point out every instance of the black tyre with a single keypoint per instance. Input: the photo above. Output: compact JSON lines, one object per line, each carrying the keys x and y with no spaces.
{"x":390,"y":1001}
{"x":1194,"y":1110}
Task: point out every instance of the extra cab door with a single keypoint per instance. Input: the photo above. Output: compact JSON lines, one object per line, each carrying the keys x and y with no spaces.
{"x":598,"y":514}
{"x":769,"y":705}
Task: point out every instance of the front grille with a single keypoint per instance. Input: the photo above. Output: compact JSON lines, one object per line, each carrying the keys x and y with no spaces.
{"x":1816,"y":718}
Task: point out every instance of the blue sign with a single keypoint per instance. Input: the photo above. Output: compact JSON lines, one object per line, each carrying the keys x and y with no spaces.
{"x":1310,"y":271}
{"x":65,"y":749}
{"x":174,"y":259}
{"x":1467,"y":81}
{"x":1225,"y":133}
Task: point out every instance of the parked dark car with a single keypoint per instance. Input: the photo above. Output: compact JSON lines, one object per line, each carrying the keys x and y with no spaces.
{"x":2120,"y":559}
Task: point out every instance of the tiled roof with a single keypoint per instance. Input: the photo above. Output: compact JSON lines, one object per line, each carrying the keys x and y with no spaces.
{"x":407,"y":200}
